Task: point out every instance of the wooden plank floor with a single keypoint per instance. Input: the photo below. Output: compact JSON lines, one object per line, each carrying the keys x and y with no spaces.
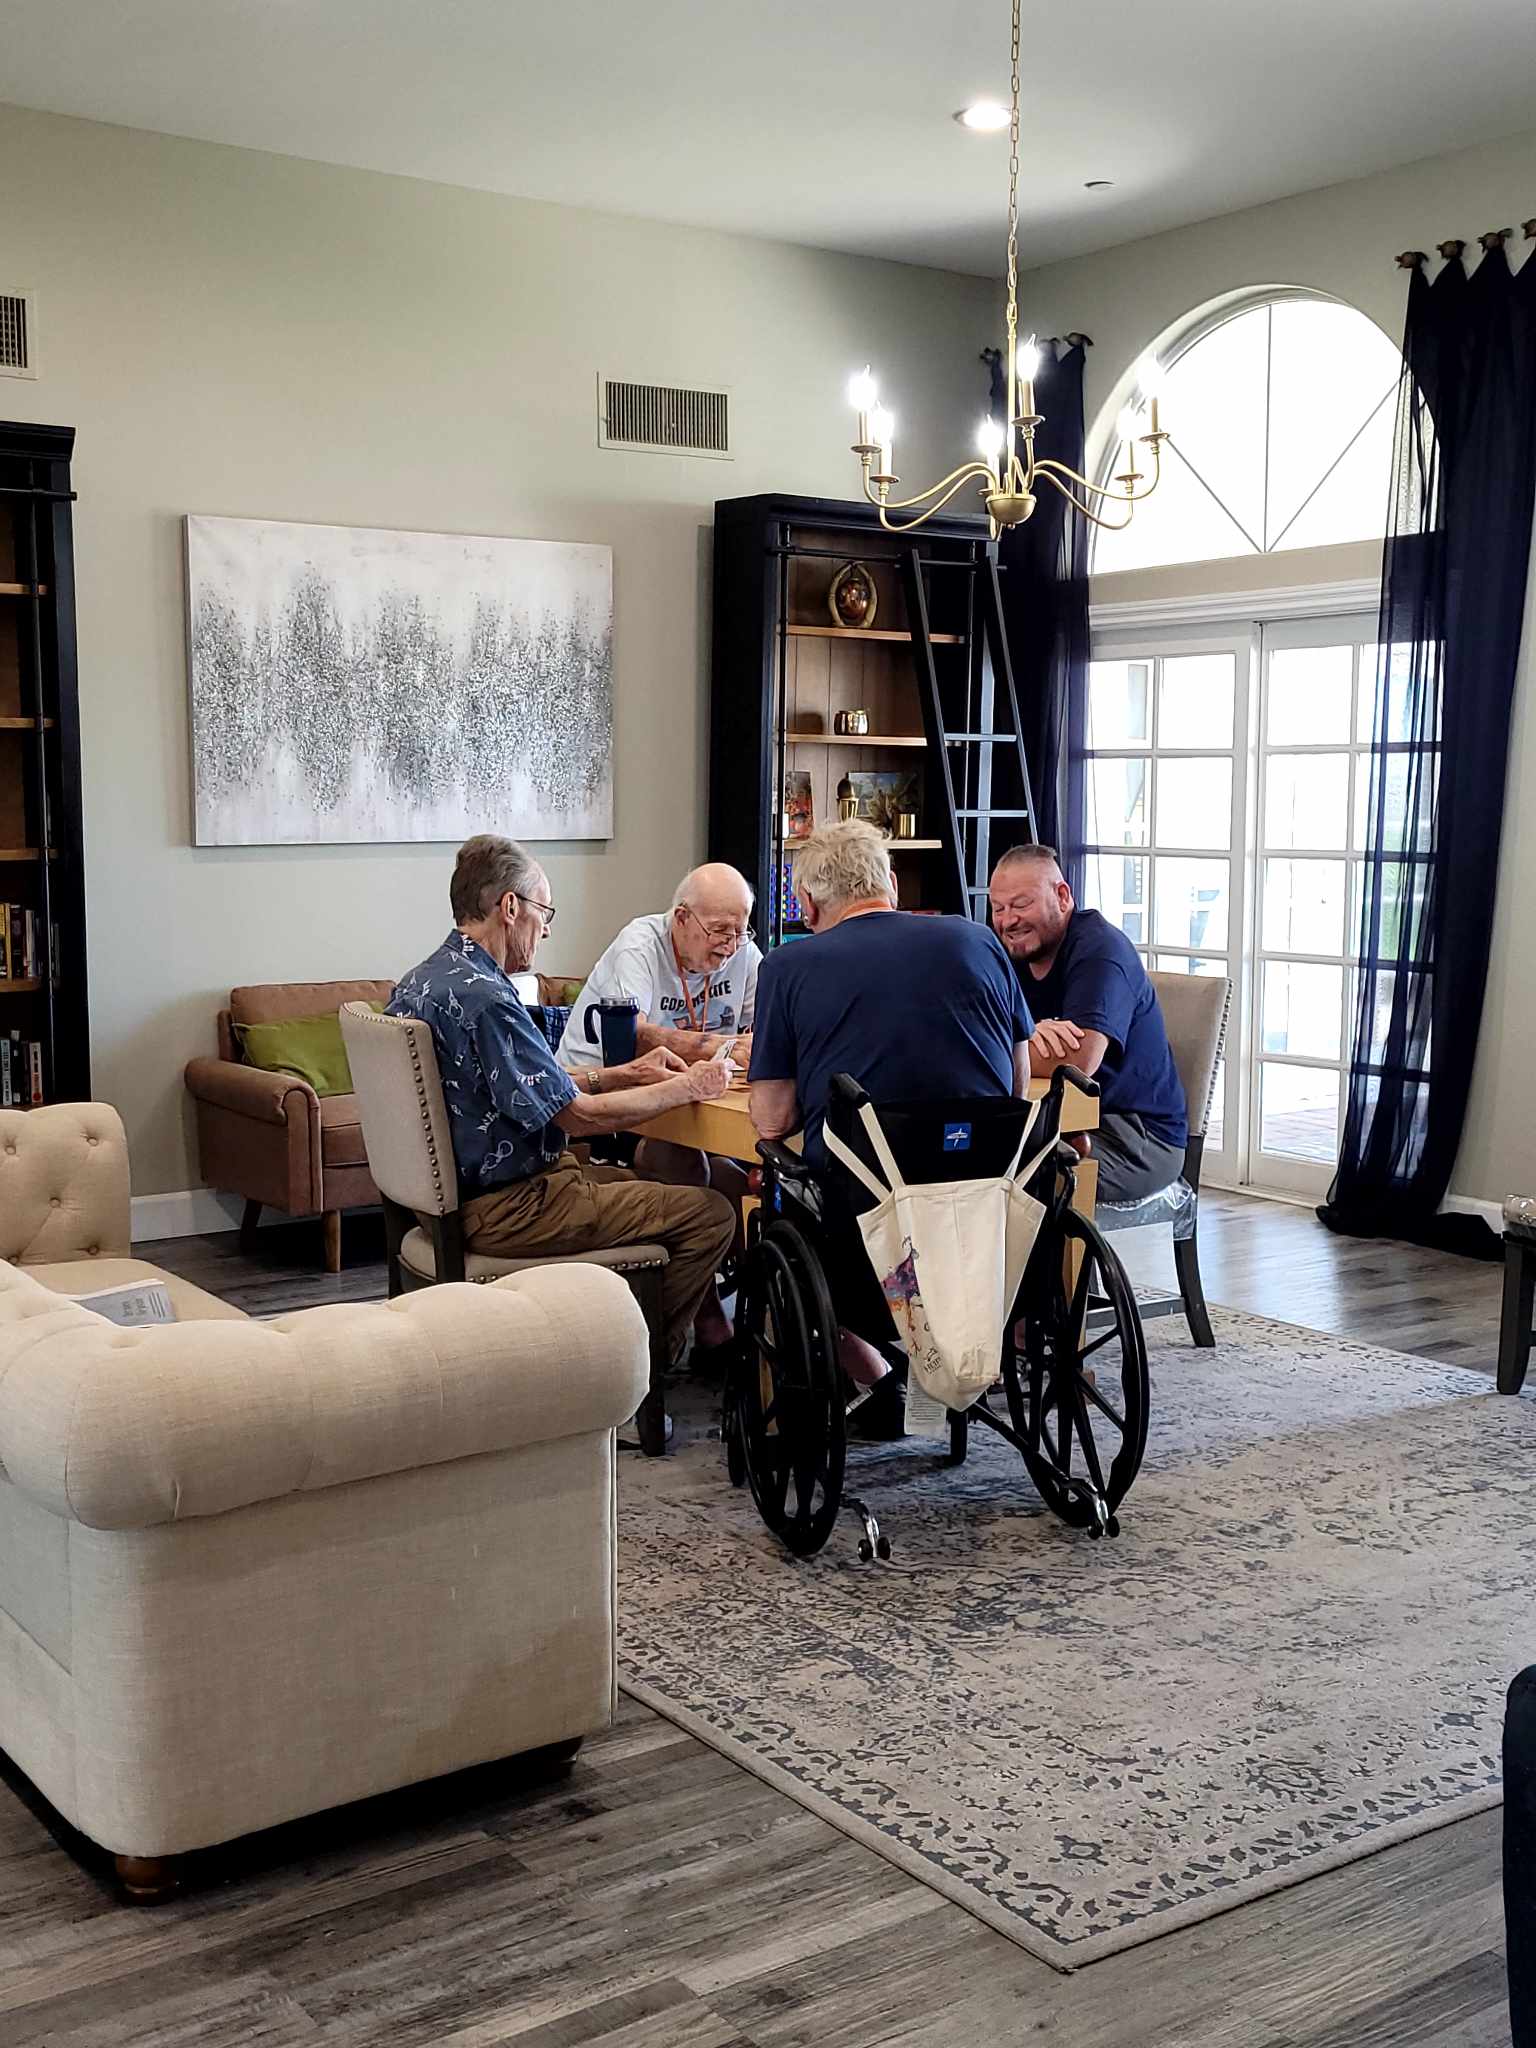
{"x":655,"y":1896}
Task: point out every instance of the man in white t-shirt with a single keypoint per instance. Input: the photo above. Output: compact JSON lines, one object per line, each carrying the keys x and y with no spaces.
{"x":693,"y":971}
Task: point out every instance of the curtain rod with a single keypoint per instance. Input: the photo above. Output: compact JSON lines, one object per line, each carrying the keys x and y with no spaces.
{"x":1410,"y":259}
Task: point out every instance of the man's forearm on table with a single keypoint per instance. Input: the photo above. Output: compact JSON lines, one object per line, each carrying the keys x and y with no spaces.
{"x":688,"y":1045}
{"x":598,"y":1114}
{"x":1087,"y":1057}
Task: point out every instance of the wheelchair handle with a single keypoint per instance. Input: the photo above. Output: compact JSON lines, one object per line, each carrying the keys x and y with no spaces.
{"x":845,"y":1086}
{"x":1084,"y":1083}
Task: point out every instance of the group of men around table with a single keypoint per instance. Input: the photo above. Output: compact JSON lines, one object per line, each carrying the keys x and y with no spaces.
{"x":913,"y":1006}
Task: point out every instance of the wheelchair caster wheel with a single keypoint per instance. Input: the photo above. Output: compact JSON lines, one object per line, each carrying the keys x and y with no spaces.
{"x":883,"y":1547}
{"x":866,"y":1550}
{"x":1112,"y":1526}
{"x":1094,"y":1532}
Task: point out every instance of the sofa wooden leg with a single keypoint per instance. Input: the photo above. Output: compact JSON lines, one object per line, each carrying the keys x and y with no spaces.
{"x":248,"y":1223}
{"x":148,"y":1880}
{"x":332,"y":1222}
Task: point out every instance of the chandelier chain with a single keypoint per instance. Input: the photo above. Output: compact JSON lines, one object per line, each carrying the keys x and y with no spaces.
{"x":1013,"y":202}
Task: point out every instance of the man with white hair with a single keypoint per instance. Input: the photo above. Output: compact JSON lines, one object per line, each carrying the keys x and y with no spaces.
{"x":692,"y":970}
{"x":914,"y":1008}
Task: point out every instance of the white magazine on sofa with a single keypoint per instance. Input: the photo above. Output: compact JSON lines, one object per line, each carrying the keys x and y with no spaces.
{"x":133,"y":1307}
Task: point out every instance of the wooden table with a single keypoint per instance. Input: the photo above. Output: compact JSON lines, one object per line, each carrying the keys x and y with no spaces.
{"x":724,"y":1127}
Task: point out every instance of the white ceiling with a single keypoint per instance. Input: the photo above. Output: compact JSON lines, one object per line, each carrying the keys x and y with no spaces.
{"x":817,"y":121}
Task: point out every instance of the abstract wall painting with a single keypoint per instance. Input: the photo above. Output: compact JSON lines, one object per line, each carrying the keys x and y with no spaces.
{"x":352,"y":684}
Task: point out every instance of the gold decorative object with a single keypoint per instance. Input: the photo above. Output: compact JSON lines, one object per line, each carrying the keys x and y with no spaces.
{"x":847,"y":802}
{"x":906,"y":824}
{"x":1009,"y":471}
{"x":851,"y":724}
{"x":852,"y":598}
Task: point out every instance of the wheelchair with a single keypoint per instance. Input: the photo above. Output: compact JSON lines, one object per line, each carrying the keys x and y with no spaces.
{"x":1073,"y":1370}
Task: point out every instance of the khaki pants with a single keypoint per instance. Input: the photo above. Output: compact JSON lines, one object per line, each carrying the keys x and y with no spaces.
{"x":583,"y":1208}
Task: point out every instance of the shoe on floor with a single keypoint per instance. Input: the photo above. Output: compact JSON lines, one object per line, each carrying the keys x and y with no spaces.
{"x":881,"y":1417}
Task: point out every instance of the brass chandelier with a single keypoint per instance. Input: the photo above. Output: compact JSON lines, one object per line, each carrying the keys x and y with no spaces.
{"x":1009,"y":470}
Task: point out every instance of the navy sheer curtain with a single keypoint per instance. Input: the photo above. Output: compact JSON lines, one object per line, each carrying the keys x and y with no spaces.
{"x":1453,"y":595}
{"x":1045,"y":610}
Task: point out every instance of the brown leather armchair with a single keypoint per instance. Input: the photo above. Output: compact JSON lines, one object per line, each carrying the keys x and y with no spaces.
{"x":270,"y":1137}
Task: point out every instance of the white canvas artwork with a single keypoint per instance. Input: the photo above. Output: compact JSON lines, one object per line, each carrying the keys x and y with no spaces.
{"x":353,"y":684}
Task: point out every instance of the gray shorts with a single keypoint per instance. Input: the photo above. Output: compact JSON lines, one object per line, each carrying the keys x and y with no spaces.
{"x":1132,"y":1162}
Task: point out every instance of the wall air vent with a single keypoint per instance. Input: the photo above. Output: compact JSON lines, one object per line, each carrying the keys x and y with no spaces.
{"x":18,"y":350}
{"x":663,"y":419}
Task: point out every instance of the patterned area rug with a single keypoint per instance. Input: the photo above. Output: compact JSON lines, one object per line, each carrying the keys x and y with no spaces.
{"x":1295,"y":1654}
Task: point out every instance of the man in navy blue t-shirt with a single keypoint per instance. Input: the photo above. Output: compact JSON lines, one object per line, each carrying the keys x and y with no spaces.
{"x":1098,"y":1012}
{"x":913,"y":1008}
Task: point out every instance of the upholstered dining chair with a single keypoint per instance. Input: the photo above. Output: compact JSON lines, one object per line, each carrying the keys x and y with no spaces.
{"x":1194,"y":1008}
{"x":410,"y":1155}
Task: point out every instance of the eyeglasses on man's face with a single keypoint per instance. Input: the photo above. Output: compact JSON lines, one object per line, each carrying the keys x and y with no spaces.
{"x":545,"y":910}
{"x":720,"y":934}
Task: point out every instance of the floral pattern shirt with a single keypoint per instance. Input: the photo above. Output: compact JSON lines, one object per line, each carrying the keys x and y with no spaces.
{"x":501,"y":1083}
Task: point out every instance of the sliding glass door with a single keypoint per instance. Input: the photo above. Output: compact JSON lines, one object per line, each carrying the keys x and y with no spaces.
{"x":1166,"y":810}
{"x":1228,"y":782}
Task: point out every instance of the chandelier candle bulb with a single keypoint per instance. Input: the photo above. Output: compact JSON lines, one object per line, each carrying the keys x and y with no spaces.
{"x":882,"y":427}
{"x":1150,"y":376}
{"x":989,"y":442}
{"x":862,"y":396}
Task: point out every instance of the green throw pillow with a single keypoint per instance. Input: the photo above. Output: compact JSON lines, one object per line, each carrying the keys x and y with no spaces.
{"x":310,"y":1047}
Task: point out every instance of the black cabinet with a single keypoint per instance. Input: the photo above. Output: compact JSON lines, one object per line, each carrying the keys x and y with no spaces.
{"x":42,"y":877}
{"x":934,"y":758}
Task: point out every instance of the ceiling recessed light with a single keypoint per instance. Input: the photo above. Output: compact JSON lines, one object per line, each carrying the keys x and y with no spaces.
{"x":1098,"y":185}
{"x":987,"y":116}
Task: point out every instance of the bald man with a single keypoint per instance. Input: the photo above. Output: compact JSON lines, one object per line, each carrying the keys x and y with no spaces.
{"x":693,"y":971}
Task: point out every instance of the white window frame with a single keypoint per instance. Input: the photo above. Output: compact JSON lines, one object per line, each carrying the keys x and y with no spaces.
{"x":1220,"y":1165}
{"x":1245,"y":621}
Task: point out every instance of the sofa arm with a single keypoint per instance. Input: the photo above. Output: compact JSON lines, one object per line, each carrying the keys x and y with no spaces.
{"x":122,"y":1429}
{"x":251,"y":1091}
{"x":63,"y":1183}
{"x":258,"y":1134}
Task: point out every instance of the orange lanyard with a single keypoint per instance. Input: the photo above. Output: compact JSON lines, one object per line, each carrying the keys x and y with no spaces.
{"x":701,"y":1022}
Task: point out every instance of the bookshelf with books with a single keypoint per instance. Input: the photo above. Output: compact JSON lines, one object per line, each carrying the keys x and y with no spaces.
{"x":884,"y":713}
{"x":44,"y":1026}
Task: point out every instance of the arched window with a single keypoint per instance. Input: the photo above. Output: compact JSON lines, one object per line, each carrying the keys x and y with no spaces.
{"x":1281,"y":416}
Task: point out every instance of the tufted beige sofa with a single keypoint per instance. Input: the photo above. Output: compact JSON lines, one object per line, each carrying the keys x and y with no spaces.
{"x":64,"y":1209}
{"x":250,"y":1571}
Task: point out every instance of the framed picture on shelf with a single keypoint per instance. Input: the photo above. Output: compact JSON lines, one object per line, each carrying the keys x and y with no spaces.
{"x":886,"y":794}
{"x":799,"y":805}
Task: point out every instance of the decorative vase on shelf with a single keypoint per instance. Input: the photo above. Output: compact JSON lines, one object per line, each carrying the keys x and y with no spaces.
{"x":852,"y":598}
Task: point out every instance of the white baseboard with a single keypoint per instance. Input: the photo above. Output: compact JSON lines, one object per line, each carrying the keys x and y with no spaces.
{"x":1492,"y":1213}
{"x":190,"y":1212}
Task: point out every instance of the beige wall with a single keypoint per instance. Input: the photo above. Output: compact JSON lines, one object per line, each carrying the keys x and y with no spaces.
{"x":237,"y":333}
{"x":1343,"y":241}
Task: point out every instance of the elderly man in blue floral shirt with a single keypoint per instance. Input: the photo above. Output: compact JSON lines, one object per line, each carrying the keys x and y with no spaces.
{"x":514,"y":1110}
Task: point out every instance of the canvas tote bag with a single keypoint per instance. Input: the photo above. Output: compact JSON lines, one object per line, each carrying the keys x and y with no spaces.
{"x":949,"y":1256}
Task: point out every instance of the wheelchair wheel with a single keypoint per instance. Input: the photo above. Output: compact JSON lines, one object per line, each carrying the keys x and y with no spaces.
{"x":789,"y":1399}
{"x":1078,"y":1392}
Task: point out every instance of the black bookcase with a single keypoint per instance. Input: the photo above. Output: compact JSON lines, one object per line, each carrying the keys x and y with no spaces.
{"x":42,"y":874}
{"x":931,"y":673}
